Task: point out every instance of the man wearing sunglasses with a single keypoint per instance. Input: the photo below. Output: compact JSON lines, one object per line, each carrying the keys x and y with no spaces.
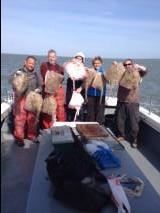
{"x":127,"y":112}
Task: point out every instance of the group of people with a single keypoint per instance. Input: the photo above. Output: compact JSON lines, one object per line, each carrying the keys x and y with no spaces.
{"x":26,"y":122}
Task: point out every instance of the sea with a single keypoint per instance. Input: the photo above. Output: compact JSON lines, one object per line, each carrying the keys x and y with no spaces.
{"x":150,"y":86}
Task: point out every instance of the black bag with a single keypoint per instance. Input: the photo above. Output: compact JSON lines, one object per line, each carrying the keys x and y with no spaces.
{"x":81,"y":197}
{"x":72,"y":165}
{"x":66,"y":170}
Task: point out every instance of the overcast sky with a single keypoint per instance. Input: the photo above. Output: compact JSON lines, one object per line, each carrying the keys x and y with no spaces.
{"x":112,"y":29}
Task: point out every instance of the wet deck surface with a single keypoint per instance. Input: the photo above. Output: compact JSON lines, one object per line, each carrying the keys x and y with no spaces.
{"x":25,"y":187}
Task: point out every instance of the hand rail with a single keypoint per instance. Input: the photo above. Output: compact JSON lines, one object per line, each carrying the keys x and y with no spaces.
{"x":151,"y":103}
{"x":8,"y":96}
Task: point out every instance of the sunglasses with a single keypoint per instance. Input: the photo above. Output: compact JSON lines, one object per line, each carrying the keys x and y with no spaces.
{"x":127,"y":64}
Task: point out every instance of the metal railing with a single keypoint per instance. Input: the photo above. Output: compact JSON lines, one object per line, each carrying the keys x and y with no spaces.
{"x":151,"y":103}
{"x":7,"y":96}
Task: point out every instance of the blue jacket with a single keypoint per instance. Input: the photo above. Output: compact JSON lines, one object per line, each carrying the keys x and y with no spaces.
{"x":96,"y":92}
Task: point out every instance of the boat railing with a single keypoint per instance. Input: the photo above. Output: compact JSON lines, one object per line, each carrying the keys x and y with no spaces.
{"x":7,"y":96}
{"x":151,"y":103}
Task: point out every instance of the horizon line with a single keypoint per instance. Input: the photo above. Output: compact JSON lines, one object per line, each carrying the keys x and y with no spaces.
{"x":72,"y":56}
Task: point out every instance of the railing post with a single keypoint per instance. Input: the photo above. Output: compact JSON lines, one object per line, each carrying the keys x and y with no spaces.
{"x":150,"y":104}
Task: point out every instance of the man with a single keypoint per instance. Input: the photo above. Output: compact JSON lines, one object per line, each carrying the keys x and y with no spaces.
{"x":25,"y":122}
{"x":51,"y":65}
{"x":127,"y":112}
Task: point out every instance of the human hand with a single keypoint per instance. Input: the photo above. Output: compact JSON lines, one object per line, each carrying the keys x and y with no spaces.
{"x":79,"y":90}
{"x":137,"y":66}
{"x":114,"y":62}
{"x":18,"y":72}
{"x":73,"y":78}
{"x":37,"y":90}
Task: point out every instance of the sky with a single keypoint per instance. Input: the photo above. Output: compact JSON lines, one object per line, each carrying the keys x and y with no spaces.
{"x":111,"y":29}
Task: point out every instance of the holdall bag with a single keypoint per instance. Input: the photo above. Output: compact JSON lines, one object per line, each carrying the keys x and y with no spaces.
{"x":53,"y":80}
{"x":71,"y":165}
{"x":67,"y":171}
{"x":82,"y":197}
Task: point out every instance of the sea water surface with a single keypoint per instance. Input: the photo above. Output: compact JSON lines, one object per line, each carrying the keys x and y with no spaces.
{"x":150,"y":86}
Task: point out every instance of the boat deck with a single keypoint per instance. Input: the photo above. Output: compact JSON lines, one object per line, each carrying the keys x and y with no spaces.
{"x":25,"y":186}
{"x":17,"y":166}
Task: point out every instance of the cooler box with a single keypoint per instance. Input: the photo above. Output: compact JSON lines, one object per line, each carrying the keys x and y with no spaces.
{"x":62,"y":138}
